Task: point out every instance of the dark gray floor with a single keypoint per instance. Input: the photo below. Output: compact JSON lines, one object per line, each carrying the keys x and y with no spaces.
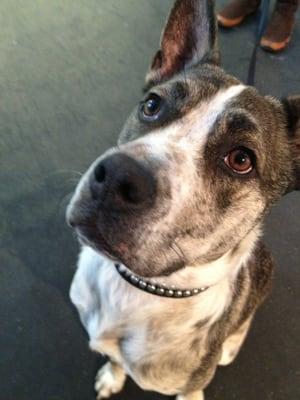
{"x":70,"y":71}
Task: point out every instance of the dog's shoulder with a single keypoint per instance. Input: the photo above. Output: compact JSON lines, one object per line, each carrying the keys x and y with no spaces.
{"x":252,"y":286}
{"x":261,"y":267}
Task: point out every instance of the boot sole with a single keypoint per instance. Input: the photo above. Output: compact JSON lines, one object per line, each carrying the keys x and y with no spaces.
{"x":230,"y":22}
{"x":274,"y":47}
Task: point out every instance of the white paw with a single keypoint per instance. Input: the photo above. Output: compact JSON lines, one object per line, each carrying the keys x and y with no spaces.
{"x":110,"y":379}
{"x":191,"y":396}
{"x":228,"y":356}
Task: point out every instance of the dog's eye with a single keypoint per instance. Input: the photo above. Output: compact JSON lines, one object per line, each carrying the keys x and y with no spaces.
{"x":151,"y":106}
{"x":240,"y":161}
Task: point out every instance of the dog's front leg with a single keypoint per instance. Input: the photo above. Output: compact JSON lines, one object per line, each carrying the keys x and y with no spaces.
{"x":198,"y":395}
{"x":234,"y":342}
{"x":110,"y":379}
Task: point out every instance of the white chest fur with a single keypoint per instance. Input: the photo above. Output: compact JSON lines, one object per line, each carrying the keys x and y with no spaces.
{"x":133,"y":327}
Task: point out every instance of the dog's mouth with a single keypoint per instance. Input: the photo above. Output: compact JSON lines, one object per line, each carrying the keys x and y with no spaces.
{"x":123,"y":253}
{"x":89,"y":235}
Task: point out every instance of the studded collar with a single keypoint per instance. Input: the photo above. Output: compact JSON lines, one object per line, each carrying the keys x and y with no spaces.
{"x":156,"y":289}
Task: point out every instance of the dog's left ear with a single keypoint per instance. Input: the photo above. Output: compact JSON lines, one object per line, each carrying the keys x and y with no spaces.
{"x":190,"y":37}
{"x":292,"y":110}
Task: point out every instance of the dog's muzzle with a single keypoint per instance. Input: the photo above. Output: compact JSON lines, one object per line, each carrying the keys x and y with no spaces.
{"x":116,"y":194}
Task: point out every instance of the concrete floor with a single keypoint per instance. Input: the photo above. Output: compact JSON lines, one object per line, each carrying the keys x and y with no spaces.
{"x":70,"y":72}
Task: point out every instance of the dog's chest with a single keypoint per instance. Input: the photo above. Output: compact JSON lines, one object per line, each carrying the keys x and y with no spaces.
{"x":136,"y":329}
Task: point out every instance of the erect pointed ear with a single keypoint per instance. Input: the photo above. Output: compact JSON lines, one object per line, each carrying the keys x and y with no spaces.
{"x":292,"y":110}
{"x":190,"y":37}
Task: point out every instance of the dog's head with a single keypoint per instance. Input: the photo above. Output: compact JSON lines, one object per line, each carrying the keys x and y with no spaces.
{"x":199,"y":162}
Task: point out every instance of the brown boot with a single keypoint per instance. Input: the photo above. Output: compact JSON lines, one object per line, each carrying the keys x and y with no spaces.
{"x":236,"y":11}
{"x":280,"y":27}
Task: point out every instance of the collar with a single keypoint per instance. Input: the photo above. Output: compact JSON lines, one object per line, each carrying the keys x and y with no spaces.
{"x":155,"y":289}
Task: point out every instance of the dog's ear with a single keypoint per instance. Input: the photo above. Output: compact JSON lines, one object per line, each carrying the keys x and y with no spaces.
{"x":190,"y":37}
{"x":292,"y":111}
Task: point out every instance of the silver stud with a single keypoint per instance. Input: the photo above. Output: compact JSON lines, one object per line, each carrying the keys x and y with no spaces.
{"x":160,"y":291}
{"x":134,"y":279}
{"x":151,"y":288}
{"x":203,"y":289}
{"x":196,"y":291}
{"x":142,"y":284}
{"x":187,"y":293}
{"x":178,"y":293}
{"x":170,"y":292}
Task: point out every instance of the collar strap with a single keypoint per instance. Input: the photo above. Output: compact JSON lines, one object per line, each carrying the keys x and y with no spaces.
{"x":158,"y":290}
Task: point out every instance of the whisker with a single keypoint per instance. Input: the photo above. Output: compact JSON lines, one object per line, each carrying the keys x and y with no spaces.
{"x":64,"y":201}
{"x":74,"y":180}
{"x":62,"y":172}
{"x":181,"y":251}
{"x":67,"y":171}
{"x":175,"y":251}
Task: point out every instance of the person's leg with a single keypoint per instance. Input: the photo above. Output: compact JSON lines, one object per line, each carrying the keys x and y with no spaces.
{"x":280,"y":27}
{"x":236,"y":11}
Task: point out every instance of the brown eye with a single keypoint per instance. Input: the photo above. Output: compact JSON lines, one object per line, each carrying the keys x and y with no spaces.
{"x":240,"y":161}
{"x":151,"y":106}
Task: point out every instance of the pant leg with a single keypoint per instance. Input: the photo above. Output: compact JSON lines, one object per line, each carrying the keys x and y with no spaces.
{"x":287,"y":6}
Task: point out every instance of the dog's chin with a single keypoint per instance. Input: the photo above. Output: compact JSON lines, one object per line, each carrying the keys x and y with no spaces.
{"x":89,"y":235}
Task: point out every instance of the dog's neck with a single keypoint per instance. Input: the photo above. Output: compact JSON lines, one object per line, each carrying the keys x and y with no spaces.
{"x":218,"y":277}
{"x":213,"y":273}
{"x":155,"y":288}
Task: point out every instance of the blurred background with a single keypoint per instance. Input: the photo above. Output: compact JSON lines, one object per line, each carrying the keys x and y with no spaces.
{"x":70,"y":72}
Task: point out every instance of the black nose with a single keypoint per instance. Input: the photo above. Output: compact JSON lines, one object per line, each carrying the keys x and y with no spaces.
{"x":122,"y":183}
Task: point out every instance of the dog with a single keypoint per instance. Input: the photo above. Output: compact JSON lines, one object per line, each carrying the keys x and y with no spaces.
{"x":172,"y":267}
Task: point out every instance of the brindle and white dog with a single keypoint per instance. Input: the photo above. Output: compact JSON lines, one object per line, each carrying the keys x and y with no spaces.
{"x":172,"y":268}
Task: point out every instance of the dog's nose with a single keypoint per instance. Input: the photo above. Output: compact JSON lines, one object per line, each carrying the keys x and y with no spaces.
{"x":122,"y":183}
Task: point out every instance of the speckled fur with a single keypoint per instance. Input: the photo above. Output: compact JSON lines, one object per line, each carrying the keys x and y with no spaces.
{"x":202,"y":227}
